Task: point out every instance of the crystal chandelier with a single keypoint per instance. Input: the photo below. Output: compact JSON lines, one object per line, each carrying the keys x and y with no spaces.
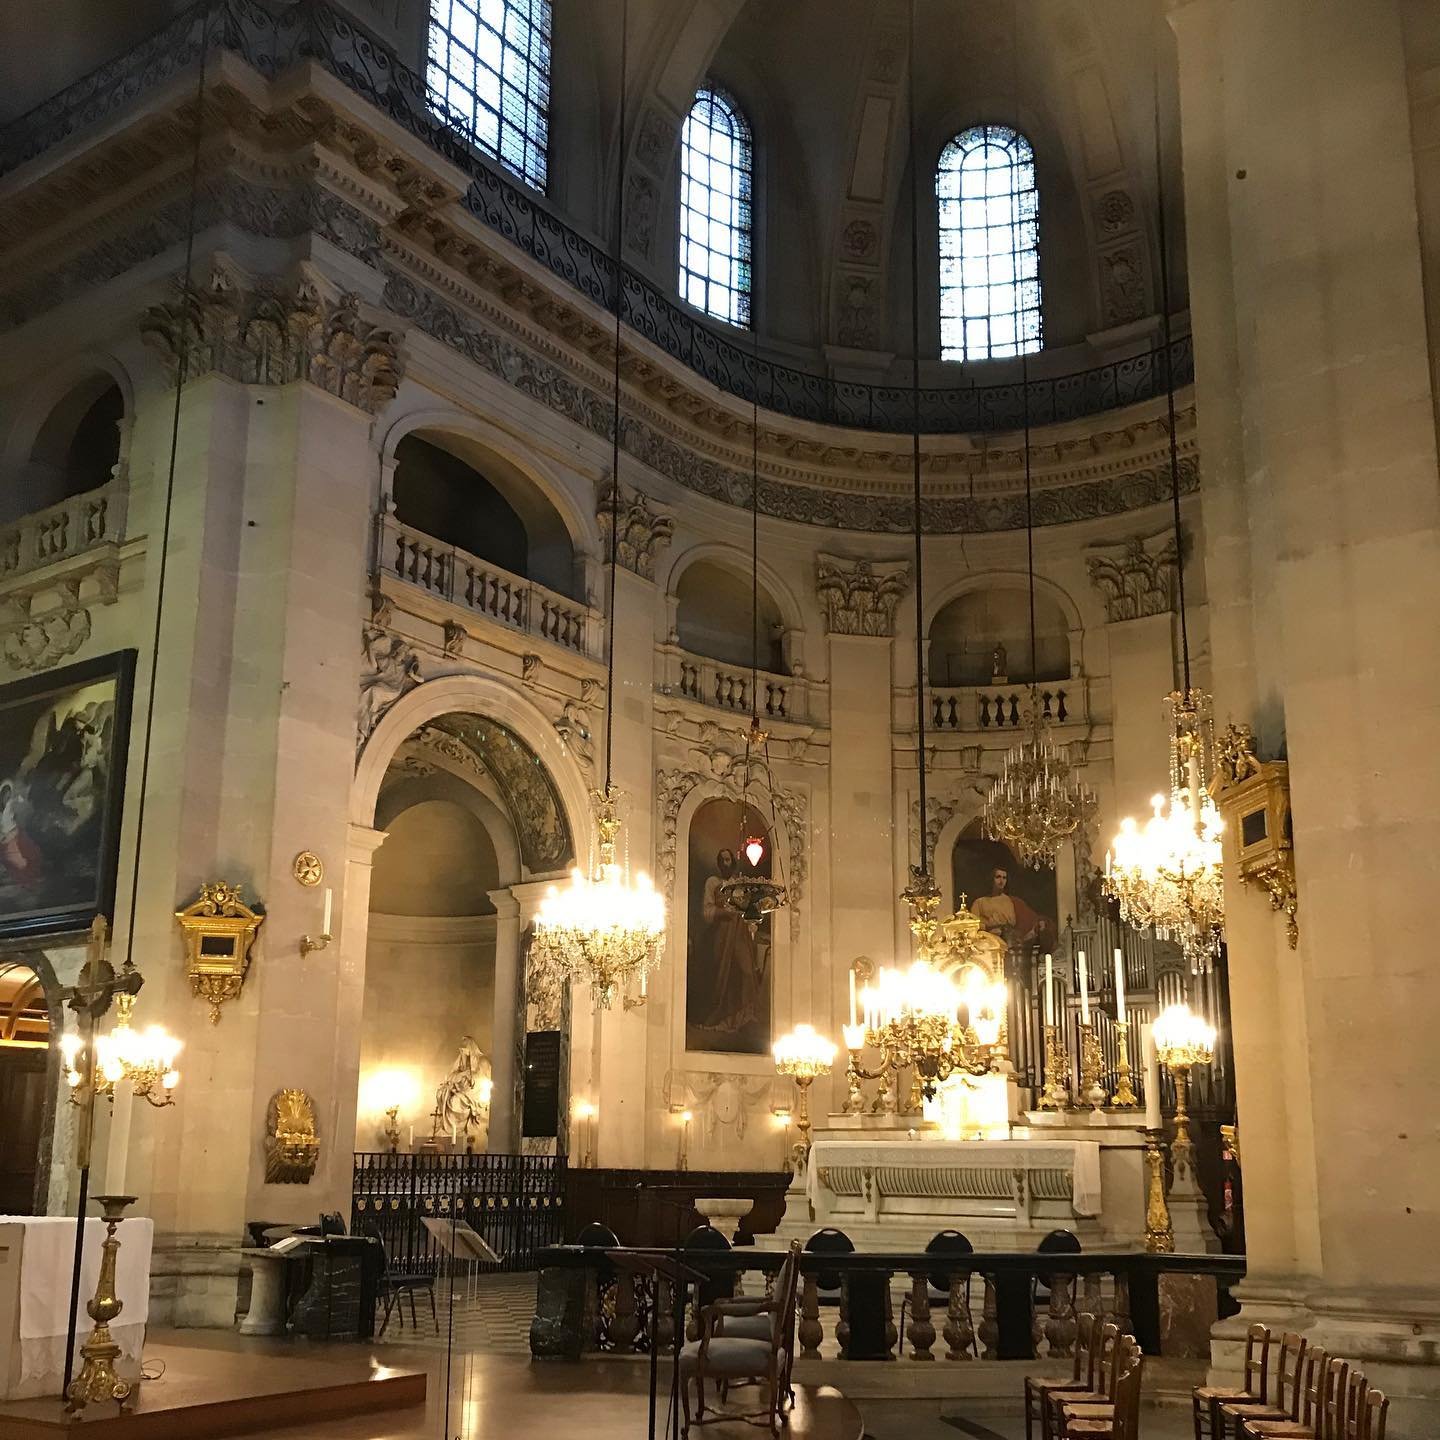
{"x":606,"y":929}
{"x":1169,"y":874}
{"x":1036,"y":802}
{"x":146,"y":1058}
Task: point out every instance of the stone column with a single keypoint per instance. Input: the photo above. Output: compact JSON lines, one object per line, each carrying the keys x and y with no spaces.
{"x":860,"y":598}
{"x":1302,"y":107}
{"x":352,"y":936}
{"x":507,"y":1032}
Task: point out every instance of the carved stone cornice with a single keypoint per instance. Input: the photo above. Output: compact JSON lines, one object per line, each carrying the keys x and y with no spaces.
{"x":274,"y":333}
{"x":644,"y":530}
{"x":860,"y":597}
{"x":1136,"y":578}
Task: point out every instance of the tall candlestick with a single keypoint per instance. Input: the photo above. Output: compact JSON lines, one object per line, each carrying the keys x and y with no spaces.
{"x":1049,"y":991}
{"x":325,"y":928}
{"x":1152,"y":1079}
{"x":852,"y":997}
{"x":1084,"y":991}
{"x":1119,"y":983}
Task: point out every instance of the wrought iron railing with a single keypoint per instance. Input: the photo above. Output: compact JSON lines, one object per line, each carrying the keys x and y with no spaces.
{"x":998,"y":1306}
{"x":273,"y":39}
{"x":515,"y":1202}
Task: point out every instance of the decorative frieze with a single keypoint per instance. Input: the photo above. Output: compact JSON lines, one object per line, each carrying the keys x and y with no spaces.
{"x":273,"y":333}
{"x":860,"y":596}
{"x":1135,"y":580}
{"x":644,"y":530}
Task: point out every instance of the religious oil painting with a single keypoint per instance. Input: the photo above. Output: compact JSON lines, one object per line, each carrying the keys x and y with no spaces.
{"x":728,"y":965}
{"x":1010,"y":900}
{"x":63,"y":744}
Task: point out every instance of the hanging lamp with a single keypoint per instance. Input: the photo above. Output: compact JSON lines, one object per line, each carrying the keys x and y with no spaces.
{"x":604,"y":928}
{"x":1169,"y":874}
{"x":750,"y":891}
{"x":1037,"y":801}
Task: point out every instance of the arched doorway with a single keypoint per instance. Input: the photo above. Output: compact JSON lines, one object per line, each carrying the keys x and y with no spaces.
{"x":24,"y":1067}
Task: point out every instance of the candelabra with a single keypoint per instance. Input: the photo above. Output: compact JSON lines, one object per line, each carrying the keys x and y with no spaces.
{"x":1056,"y":1094}
{"x":392,"y":1128}
{"x":803,"y":1054}
{"x":1182,"y":1041}
{"x":1159,"y":1232}
{"x":1124,"y":1097}
{"x":97,"y":1379}
{"x":1091,"y":1064}
{"x":855,"y":1072}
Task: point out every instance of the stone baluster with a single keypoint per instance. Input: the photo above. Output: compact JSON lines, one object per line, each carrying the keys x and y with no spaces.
{"x":626,"y":1325}
{"x":990,"y":1322}
{"x":810,"y":1334}
{"x":1094,"y":1302}
{"x":892,"y":1334}
{"x":1060,"y":1324}
{"x":842,"y":1320}
{"x":664,"y":1318}
{"x":959,"y":1328}
{"x":920,"y":1332}
{"x":1122,"y":1303}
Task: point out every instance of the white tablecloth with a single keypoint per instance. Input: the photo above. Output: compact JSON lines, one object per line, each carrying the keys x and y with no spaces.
{"x":37,"y":1255}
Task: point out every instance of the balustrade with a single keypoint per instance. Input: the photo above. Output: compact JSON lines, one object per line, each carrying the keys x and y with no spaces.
{"x":727,"y":687}
{"x":1120,"y":1287}
{"x":474,"y":584}
{"x":978,"y":708}
{"x":69,"y":528}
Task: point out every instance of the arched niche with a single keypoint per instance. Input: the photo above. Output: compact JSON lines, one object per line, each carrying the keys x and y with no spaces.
{"x":28,"y":1080}
{"x":708,"y":594}
{"x":458,"y":472}
{"x":984,"y":630}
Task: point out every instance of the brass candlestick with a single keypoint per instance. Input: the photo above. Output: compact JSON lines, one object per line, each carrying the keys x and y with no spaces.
{"x":97,"y":1379}
{"x":1056,"y":1094}
{"x":1124,"y":1095}
{"x":1182,"y":1148}
{"x":1091,"y":1063}
{"x":392,"y":1128}
{"x":1159,"y":1232}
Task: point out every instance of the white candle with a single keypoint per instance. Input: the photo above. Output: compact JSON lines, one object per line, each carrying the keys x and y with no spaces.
{"x":412,"y":1137}
{"x":1084,"y":992}
{"x":1049,"y":991}
{"x":852,"y":997}
{"x":325,"y":928}
{"x":1119,"y":984}
{"x":1152,"y":1078}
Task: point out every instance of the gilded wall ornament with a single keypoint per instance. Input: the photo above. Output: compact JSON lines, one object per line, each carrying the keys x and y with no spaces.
{"x":292,"y":1148}
{"x":219,"y":930}
{"x":308,"y":868}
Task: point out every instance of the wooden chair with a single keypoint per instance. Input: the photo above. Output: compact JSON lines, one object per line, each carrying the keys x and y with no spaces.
{"x":733,"y":1359}
{"x":1099,"y":1381}
{"x":1123,"y":1422}
{"x":1082,"y":1373}
{"x":1101,"y":1415}
{"x":748,"y":1318}
{"x":1377,"y":1408}
{"x":1253,"y":1386}
{"x":1287,"y":1381}
{"x":1323,"y":1414}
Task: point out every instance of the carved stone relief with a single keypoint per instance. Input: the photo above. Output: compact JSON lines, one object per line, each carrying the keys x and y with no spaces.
{"x":640,"y":210}
{"x":656,"y":140}
{"x":41,"y":626}
{"x":392,"y":669}
{"x":1114,"y":213}
{"x":855,"y":324}
{"x":644,"y":532}
{"x":272,"y":334}
{"x":1137,"y":581}
{"x":720,"y":1101}
{"x":860,"y":597}
{"x":1122,"y":284}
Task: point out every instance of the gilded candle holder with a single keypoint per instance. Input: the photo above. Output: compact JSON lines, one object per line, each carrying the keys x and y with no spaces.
{"x":1124,"y":1097}
{"x":1159,"y":1231}
{"x":1092,"y":1062}
{"x":97,"y":1379}
{"x":1056,"y":1094}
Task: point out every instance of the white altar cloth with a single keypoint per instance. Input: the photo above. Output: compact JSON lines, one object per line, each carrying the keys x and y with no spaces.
{"x":897,"y":1165}
{"x":37,"y":1255}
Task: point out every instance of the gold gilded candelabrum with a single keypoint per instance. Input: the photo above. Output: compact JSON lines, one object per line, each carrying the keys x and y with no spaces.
{"x":97,"y":1379}
{"x":1091,"y":1064}
{"x":855,"y":1072}
{"x":1124,"y":1097}
{"x":1159,"y":1233}
{"x":1182,"y":1041}
{"x":802,"y":1055}
{"x":1056,"y":1094}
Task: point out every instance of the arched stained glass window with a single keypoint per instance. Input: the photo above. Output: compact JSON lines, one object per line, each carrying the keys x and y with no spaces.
{"x":715,"y":176}
{"x":489,"y":76}
{"x":989,"y":245}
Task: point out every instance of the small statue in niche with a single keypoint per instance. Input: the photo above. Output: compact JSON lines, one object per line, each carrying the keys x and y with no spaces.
{"x":999,"y":663}
{"x":462,"y":1100}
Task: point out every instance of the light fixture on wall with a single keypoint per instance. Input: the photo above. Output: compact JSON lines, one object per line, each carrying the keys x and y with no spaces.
{"x":146,"y":1058}
{"x":604,"y":928}
{"x":803,"y":1055}
{"x":749,"y":891}
{"x":1169,"y":874}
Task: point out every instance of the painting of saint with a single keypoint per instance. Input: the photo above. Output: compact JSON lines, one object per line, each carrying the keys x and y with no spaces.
{"x":1010,"y":900}
{"x":63,"y":746}
{"x":727,"y":967}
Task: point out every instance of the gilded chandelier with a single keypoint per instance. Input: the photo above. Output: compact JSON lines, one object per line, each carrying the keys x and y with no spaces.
{"x":1169,"y":875}
{"x":146,"y":1058}
{"x":1037,"y":801}
{"x":603,"y":928}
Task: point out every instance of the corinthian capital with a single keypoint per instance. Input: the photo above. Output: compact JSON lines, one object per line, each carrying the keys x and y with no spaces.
{"x":1135,"y":578}
{"x":644,"y":532}
{"x":860,"y":596}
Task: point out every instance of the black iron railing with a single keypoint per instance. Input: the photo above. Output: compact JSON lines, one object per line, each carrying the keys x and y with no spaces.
{"x":515,"y":1202}
{"x":274,"y":39}
{"x":995,"y":1306}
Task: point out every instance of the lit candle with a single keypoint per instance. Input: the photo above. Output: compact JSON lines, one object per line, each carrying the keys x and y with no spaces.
{"x":412,"y":1137}
{"x":1119,"y":984}
{"x":852,"y":997}
{"x":1049,"y":991}
{"x":325,"y":928}
{"x":1084,"y":991}
{"x":1152,"y":1078}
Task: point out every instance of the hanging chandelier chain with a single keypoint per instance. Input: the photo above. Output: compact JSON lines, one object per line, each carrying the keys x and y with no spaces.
{"x":755,"y":523}
{"x":615,"y":428}
{"x":924,"y":867}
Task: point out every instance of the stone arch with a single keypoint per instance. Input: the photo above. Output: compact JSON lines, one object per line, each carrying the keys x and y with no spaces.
{"x":1011,"y":580}
{"x":732,"y":557}
{"x":403,"y":795}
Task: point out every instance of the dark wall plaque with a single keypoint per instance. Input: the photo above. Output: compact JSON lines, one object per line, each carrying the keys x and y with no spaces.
{"x":541,"y":1116}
